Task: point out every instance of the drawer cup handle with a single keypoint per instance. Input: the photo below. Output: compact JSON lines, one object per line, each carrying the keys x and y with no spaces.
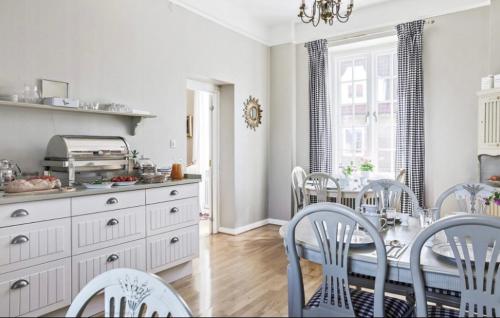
{"x":174,"y":210}
{"x":174,"y":192}
{"x":112,"y":201}
{"x":112,"y":222}
{"x":174,"y":240}
{"x":113,"y":258}
{"x":19,"y":213}
{"x":20,"y":239}
{"x":20,"y":284}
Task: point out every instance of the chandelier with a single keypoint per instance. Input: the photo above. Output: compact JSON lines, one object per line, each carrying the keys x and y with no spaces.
{"x":326,"y":10}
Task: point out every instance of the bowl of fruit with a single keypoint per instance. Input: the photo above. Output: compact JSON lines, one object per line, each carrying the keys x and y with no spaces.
{"x":124,"y":181}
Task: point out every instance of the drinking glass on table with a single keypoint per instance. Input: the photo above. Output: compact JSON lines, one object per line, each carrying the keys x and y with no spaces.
{"x":391,"y":215}
{"x":427,"y":217}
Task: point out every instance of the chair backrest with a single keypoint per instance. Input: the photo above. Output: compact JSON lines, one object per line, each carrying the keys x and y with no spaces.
{"x":131,"y":293}
{"x":298,"y":177}
{"x":333,"y":225}
{"x":321,"y":184}
{"x":469,"y":236}
{"x":469,"y":196}
{"x":387,"y":194}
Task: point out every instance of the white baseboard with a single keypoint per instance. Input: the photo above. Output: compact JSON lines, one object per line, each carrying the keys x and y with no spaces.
{"x":277,"y":222}
{"x":249,"y":227}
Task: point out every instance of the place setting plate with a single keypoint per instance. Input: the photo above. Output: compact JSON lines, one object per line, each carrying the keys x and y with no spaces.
{"x":444,"y":251}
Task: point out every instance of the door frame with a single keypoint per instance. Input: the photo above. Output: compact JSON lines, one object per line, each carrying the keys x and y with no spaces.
{"x":214,"y":147}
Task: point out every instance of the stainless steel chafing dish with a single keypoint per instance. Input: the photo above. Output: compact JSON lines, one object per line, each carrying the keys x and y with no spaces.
{"x":75,"y":155}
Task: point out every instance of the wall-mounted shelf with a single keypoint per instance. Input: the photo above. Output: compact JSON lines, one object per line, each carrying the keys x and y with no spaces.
{"x":135,"y":118}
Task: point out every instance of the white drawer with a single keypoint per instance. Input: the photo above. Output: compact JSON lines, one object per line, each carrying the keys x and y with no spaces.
{"x":89,"y":265}
{"x":172,"y":193}
{"x":29,"y":212}
{"x":27,"y":245}
{"x":37,"y":290}
{"x":107,"y":202}
{"x":94,"y":231}
{"x":173,"y":248}
{"x":167,"y":216}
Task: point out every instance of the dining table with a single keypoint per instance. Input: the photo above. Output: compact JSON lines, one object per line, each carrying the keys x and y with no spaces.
{"x":439,"y":272}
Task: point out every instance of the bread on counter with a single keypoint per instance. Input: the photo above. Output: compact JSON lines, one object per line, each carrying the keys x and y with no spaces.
{"x":33,"y":184}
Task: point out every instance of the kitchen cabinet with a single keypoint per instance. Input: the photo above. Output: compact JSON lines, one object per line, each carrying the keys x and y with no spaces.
{"x":54,"y":244}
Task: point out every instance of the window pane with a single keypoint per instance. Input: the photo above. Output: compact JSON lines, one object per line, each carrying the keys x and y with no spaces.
{"x":395,"y":63}
{"x":361,"y":92}
{"x":385,"y":135}
{"x":354,"y":141}
{"x":384,"y":65}
{"x":384,"y":90}
{"x":346,"y":71}
{"x":384,"y":108}
{"x":395,"y":83}
{"x":346,"y":92}
{"x":385,"y":159}
{"x":360,"y":69}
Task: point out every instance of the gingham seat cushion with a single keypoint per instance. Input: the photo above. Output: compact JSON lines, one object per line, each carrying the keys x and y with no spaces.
{"x":362,"y":303}
{"x":433,"y":311}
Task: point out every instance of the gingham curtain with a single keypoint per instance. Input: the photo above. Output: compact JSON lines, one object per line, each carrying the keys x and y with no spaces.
{"x":320,"y":135}
{"x":410,"y":141}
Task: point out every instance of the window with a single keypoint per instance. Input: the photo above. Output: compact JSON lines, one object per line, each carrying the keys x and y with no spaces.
{"x":364,"y":83}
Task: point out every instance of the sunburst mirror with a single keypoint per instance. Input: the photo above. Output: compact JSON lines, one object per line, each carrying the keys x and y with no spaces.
{"x":252,"y":112}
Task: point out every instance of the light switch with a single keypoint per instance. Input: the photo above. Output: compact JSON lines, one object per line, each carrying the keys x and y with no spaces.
{"x":173,"y":144}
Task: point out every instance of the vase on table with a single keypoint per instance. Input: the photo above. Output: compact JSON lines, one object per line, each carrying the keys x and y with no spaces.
{"x":363,"y":177}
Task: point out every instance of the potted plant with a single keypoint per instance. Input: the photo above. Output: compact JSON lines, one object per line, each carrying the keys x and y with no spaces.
{"x":494,"y":198}
{"x":348,"y":170}
{"x":366,"y":168}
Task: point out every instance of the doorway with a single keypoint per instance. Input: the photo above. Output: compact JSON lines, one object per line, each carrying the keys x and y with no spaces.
{"x":202,"y":149}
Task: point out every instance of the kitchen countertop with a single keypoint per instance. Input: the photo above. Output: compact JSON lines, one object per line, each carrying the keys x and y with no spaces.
{"x":81,"y":191}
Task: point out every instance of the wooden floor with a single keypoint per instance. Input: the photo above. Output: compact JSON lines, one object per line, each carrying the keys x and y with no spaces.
{"x":242,"y":275}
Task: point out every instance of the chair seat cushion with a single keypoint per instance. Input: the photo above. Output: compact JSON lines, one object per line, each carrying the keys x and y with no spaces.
{"x":433,"y":311}
{"x":363,"y":301}
{"x":431,"y":290}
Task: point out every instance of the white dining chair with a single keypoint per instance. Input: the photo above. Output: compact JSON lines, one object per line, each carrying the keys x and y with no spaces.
{"x":333,"y":225}
{"x":387,"y":193}
{"x":298,"y":177}
{"x":131,"y":293}
{"x":470,"y":198}
{"x":475,"y":245}
{"x":321,"y":186}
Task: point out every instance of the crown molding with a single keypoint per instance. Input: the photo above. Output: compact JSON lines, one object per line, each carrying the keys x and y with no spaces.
{"x":367,"y":18}
{"x":252,"y":34}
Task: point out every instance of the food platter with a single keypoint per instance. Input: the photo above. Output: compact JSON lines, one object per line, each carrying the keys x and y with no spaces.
{"x":124,"y":181}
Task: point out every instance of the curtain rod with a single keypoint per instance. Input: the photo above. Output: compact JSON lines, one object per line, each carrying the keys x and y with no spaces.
{"x":373,"y":34}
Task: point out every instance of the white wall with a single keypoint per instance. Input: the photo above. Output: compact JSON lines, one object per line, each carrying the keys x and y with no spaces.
{"x":495,"y":43}
{"x":455,"y":58}
{"x":140,"y":53}
{"x":282,"y":138}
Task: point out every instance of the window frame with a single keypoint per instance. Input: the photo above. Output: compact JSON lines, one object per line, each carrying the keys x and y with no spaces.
{"x":371,"y":52}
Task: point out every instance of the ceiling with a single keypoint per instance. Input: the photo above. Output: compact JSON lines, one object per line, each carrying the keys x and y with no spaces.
{"x":275,"y":22}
